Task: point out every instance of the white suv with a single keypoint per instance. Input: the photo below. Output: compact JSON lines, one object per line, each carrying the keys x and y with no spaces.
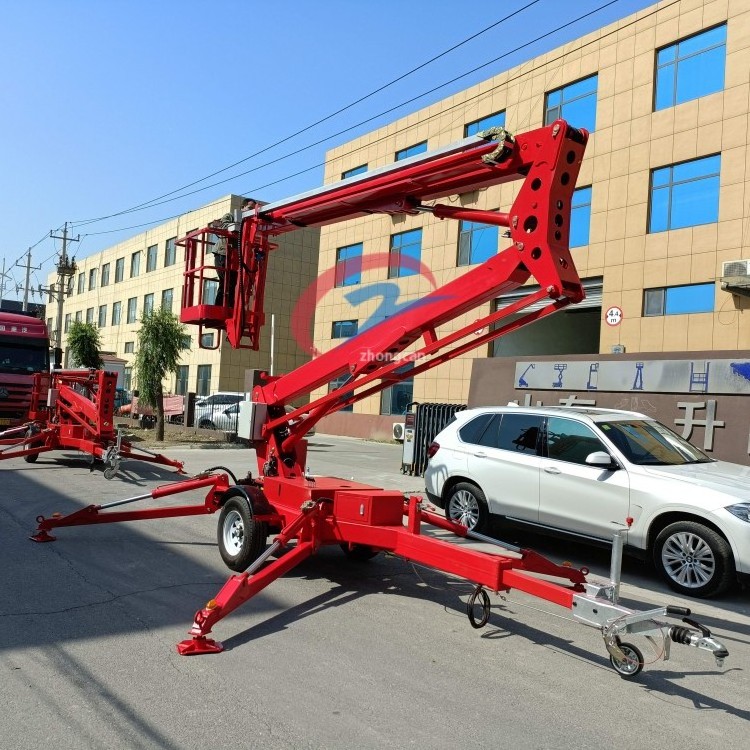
{"x":585,"y":472}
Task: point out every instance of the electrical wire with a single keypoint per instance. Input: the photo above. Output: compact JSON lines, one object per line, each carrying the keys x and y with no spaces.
{"x":363,"y":122}
{"x":330,"y":116}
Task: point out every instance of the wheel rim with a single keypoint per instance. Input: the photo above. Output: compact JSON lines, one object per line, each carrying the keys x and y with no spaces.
{"x":688,"y":560}
{"x":233,"y":532}
{"x":464,"y":509}
{"x":632,"y":662}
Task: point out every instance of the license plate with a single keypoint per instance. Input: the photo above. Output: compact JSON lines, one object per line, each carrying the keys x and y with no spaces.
{"x":5,"y":420}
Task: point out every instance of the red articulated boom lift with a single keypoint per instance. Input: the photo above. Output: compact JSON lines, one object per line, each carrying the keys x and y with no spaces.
{"x":80,"y":416}
{"x":305,"y":512}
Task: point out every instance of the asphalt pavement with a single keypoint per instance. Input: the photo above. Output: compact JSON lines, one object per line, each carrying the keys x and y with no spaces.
{"x":336,"y":654}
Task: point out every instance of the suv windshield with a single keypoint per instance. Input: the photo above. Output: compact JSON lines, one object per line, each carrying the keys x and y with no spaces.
{"x":651,"y":443}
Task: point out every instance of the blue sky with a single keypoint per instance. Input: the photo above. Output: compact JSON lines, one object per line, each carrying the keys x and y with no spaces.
{"x":111,"y":104}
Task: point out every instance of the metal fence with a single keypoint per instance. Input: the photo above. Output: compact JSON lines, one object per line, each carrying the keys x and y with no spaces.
{"x":421,"y":423}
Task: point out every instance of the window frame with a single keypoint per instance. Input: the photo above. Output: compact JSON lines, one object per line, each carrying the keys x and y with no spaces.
{"x":170,"y":251}
{"x":135,"y":264}
{"x":119,"y":270}
{"x":395,"y":269}
{"x":671,"y":222}
{"x":338,"y":327}
{"x":104,"y":280}
{"x":476,"y":227}
{"x":483,"y":123}
{"x":558,"y":109}
{"x":132,"y":310}
{"x":664,"y":303}
{"x":152,"y":257}
{"x":354,"y":171}
{"x":675,"y":62}
{"x":116,"y":313}
{"x":409,"y":151}
{"x":340,"y":277}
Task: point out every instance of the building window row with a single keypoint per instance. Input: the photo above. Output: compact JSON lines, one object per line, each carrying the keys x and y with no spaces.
{"x":152,"y":253}
{"x":167,"y":297}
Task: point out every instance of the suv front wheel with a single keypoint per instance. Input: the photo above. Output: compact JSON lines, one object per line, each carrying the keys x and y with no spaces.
{"x":694,"y":559}
{"x":467,"y":505}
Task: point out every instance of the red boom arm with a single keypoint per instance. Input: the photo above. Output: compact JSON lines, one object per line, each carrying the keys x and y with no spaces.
{"x":548,"y":161}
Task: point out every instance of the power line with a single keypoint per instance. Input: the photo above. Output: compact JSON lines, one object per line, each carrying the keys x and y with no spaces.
{"x":370,"y":119}
{"x":149,"y":203}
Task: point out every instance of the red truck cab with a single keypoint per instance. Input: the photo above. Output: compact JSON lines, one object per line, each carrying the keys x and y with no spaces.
{"x":24,"y":351}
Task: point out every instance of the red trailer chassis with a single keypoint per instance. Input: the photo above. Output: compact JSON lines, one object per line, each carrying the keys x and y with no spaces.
{"x":306,"y":512}
{"x":74,"y":410}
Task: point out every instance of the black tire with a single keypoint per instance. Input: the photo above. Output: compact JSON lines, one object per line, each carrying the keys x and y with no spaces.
{"x":31,"y":459}
{"x":240,"y":537}
{"x":359,"y":552}
{"x":694,"y":559}
{"x":207,"y":424}
{"x":631,"y":665}
{"x":466,"y":504}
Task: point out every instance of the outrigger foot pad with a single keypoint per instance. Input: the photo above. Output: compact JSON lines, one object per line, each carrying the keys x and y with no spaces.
{"x":199,"y":645}
{"x":42,"y":536}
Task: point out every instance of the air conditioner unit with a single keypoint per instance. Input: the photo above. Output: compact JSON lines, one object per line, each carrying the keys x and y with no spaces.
{"x":736,"y":268}
{"x":735,"y":277}
{"x":398,"y":431}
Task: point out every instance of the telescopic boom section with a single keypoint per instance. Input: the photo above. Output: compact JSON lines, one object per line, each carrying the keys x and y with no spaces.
{"x":538,"y":223}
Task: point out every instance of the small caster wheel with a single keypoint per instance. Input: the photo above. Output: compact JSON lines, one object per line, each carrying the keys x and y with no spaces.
{"x":111,"y":469}
{"x":632,"y":664}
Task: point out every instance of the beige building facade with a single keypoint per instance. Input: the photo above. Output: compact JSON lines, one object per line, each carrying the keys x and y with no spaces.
{"x":112,"y":288}
{"x":662,"y":206}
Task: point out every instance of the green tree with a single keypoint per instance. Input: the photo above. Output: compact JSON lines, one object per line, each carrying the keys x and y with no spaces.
{"x":160,"y":347}
{"x":84,"y":343}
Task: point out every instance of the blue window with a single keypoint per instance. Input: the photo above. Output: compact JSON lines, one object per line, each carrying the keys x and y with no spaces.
{"x":344,"y":329}
{"x":685,"y":195}
{"x":679,"y":300}
{"x":476,"y":242}
{"x":491,"y":121}
{"x":405,"y":245}
{"x":575,"y":103}
{"x":691,"y":68}
{"x":354,"y":170}
{"x":417,"y":148}
{"x":337,"y":383}
{"x":580,"y":217}
{"x":348,"y":265}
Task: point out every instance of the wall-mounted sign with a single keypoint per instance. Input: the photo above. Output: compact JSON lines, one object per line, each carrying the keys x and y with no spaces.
{"x":613,"y":316}
{"x":655,"y":376}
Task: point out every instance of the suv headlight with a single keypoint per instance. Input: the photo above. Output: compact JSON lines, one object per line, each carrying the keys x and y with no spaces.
{"x":741,"y":510}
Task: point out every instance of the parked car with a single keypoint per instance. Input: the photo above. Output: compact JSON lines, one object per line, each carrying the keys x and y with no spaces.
{"x":208,"y":409}
{"x":584,"y":472}
{"x":227,"y":420}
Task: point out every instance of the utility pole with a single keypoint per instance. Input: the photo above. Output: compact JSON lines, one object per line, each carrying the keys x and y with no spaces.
{"x":65,"y":270}
{"x":3,"y":276}
{"x":26,"y":287}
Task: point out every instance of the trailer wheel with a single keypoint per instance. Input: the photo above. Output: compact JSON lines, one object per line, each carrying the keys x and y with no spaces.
{"x":240,"y":537}
{"x":359,"y":552}
{"x":632,"y":664}
{"x":467,"y":505}
{"x":31,"y":459}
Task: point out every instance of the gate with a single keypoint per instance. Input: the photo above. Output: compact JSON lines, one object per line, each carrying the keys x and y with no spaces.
{"x":421,"y":423}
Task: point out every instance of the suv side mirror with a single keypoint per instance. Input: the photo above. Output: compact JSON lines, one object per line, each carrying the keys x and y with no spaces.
{"x":603,"y":460}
